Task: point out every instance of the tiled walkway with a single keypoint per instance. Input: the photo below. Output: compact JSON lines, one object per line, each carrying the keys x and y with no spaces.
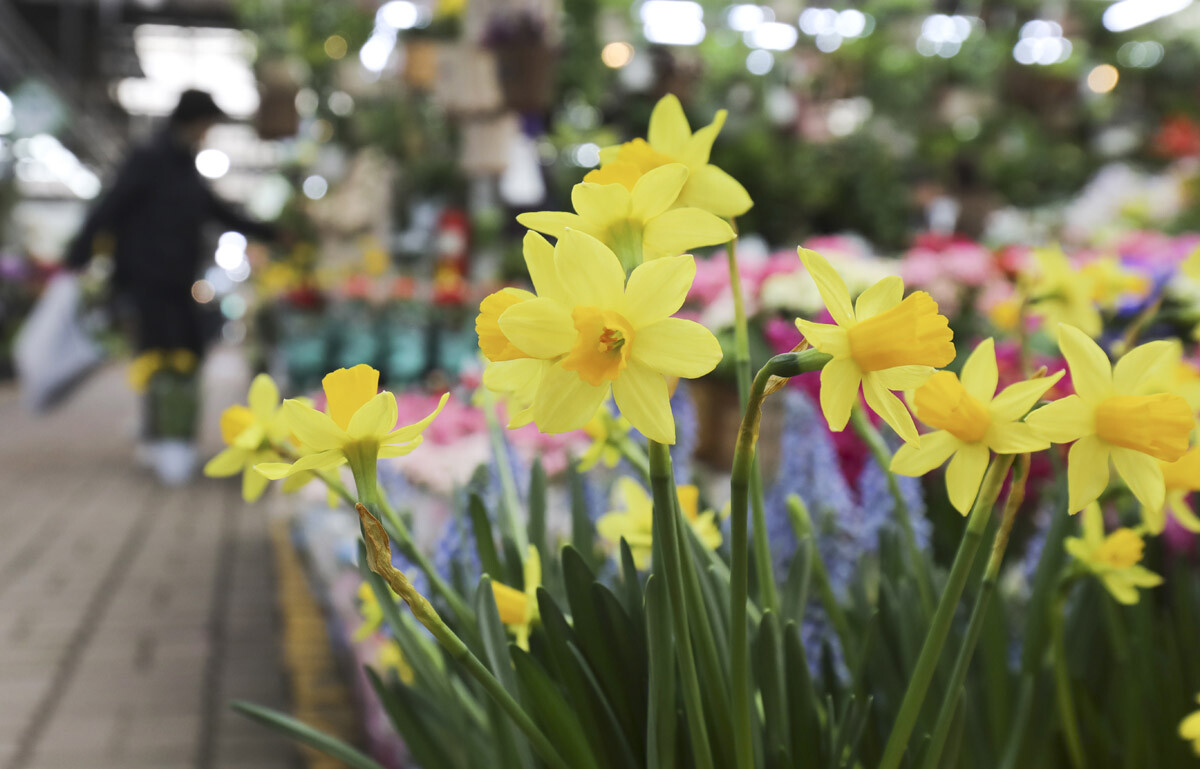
{"x":130,"y":614}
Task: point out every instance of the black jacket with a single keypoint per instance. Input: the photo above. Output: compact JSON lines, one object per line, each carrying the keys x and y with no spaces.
{"x":155,"y":211}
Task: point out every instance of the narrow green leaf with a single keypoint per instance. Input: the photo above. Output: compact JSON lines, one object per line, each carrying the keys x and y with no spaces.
{"x":537,"y":508}
{"x":556,"y":716}
{"x":769,"y":670}
{"x":485,"y":542}
{"x":305,"y":734}
{"x":661,"y":719}
{"x":512,"y":745}
{"x":583,"y":529}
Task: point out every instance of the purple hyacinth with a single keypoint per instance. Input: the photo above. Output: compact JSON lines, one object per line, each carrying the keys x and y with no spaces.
{"x":686,"y":431}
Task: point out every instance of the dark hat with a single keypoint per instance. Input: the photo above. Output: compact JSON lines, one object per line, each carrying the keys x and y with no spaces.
{"x":196,"y":105}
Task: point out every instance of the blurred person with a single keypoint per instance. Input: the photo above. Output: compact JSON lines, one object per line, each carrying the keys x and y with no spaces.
{"x":154,"y":212}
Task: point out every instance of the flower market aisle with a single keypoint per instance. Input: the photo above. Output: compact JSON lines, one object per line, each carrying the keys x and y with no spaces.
{"x":124,"y":636}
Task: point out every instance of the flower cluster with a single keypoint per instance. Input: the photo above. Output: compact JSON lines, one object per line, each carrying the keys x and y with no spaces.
{"x":599,"y":321}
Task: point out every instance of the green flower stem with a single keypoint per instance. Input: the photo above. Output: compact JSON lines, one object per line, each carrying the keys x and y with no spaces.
{"x":1062,"y":677}
{"x":768,"y":591}
{"x":802,"y":526}
{"x":939,"y":628}
{"x":510,"y":522}
{"x":954,"y":692}
{"x":786,"y":365}
{"x":362,"y":460}
{"x":378,"y":551}
{"x":871,"y":436}
{"x":666,"y":534}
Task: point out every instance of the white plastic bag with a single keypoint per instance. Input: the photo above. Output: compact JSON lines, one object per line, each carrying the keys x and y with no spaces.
{"x":52,"y":351}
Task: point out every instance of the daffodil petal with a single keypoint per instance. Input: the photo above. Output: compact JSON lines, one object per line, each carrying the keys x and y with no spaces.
{"x":1062,"y":421}
{"x":669,"y":131}
{"x":656,"y":191}
{"x":904,"y":377}
{"x":1017,"y":399}
{"x":564,"y":402}
{"x":980,"y":375}
{"x":880,"y":297}
{"x":263,"y":398}
{"x":641,"y":394}
{"x":1119,"y":588}
{"x":1142,"y":474}
{"x":346,"y":390}
{"x":229,"y":462}
{"x":840,"y":379}
{"x":589,"y":271}
{"x":539,"y":261}
{"x":1087,"y":472}
{"x":1143,"y":363}
{"x":935,"y":448}
{"x":830,"y":285}
{"x":555,"y":223}
{"x":1014,"y":438}
{"x":253,"y":484}
{"x":889,"y":408}
{"x":712,"y":189}
{"x":1155,"y":519}
{"x":512,"y":376}
{"x":964,"y":474}
{"x":699,"y":147}
{"x":541,"y":328}
{"x":375,"y":419}
{"x":315,"y":429}
{"x":409,"y":432}
{"x":321,"y":460}
{"x":1184,"y":514}
{"x":600,"y":204}
{"x":683,"y":229}
{"x":400,"y":449}
{"x":1091,"y":371}
{"x":677,"y":347}
{"x":657,"y":289}
{"x":825,"y":337}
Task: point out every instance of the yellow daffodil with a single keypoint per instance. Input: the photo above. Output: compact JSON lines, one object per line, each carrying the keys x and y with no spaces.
{"x":635,"y":524}
{"x":1059,"y":294}
{"x":359,"y":428}
{"x":1180,"y":478}
{"x":602,"y":429}
{"x":143,"y":368}
{"x":595,"y":334}
{"x":1110,"y":281}
{"x":671,"y":141}
{"x":249,"y":434}
{"x":519,"y":609}
{"x":1189,"y":728}
{"x":970,"y":419}
{"x":391,"y":658}
{"x":1064,"y":293}
{"x":371,"y":611}
{"x":1108,"y":417}
{"x":638,"y":224}
{"x":885,"y":341}
{"x":1113,"y":558}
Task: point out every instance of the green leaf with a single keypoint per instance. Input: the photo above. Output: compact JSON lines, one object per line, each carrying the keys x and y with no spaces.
{"x":305,"y":734}
{"x":512,"y":746}
{"x":558,"y":718}
{"x":661,"y":720}
{"x":418,"y":722}
{"x":583,"y":530}
{"x":485,"y":543}
{"x":537,"y":508}
{"x":804,"y":720}
{"x":769,"y":670}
